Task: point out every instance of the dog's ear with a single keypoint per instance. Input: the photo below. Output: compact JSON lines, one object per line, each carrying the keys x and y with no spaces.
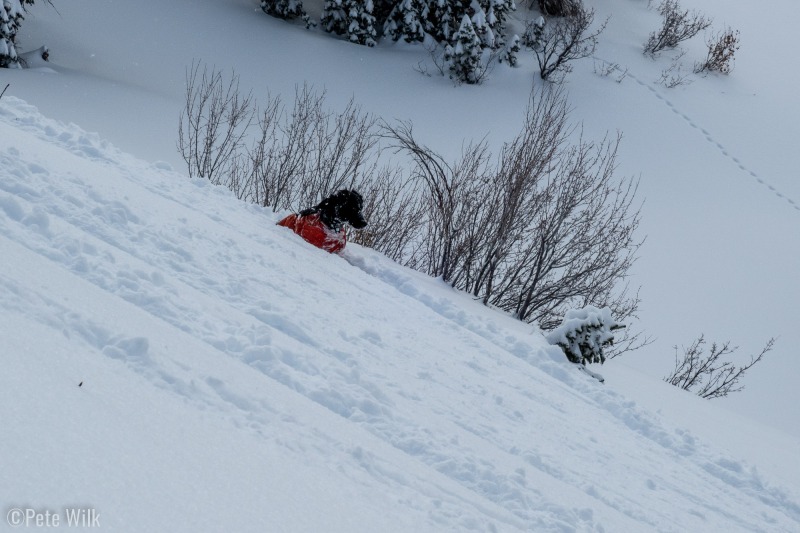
{"x":342,"y":206}
{"x":329,"y":213}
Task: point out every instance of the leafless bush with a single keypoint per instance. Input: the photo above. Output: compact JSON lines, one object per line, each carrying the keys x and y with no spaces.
{"x":309,"y":151}
{"x":545,"y":228}
{"x":678,"y":25}
{"x":675,"y":76}
{"x":605,"y":69}
{"x":564,"y":40}
{"x":296,"y":157}
{"x":436,"y":53}
{"x":214,"y":122}
{"x":454,"y":201}
{"x":721,"y":49}
{"x":392,"y":204}
{"x":711,"y":375}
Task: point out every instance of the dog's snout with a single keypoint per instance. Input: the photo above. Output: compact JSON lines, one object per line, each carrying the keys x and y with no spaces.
{"x":358,"y":221}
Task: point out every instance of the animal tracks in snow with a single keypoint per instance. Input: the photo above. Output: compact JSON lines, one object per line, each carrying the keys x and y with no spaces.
{"x":710,"y":138}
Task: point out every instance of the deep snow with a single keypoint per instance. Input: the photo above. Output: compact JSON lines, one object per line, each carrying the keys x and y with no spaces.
{"x":175,"y":361}
{"x":716,"y":156}
{"x":214,"y":394}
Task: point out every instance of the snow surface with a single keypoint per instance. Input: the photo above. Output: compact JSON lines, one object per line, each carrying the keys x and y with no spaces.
{"x":233,"y":378}
{"x":178,"y":362}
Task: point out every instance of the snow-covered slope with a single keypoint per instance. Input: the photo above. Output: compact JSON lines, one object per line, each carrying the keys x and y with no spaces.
{"x":174,"y":361}
{"x":716,"y":156}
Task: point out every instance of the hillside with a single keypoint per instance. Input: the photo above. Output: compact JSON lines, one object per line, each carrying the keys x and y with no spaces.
{"x":176,"y":362}
{"x":715,"y":155}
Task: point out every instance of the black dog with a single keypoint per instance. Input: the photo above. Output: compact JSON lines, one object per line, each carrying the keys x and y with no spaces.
{"x":323,"y":224}
{"x":338,"y":208}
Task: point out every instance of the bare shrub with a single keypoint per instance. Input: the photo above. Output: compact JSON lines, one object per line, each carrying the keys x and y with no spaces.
{"x":296,"y":157}
{"x":605,"y":69}
{"x":721,"y":49}
{"x":711,"y":375}
{"x":393,"y":206}
{"x":214,"y":122}
{"x":675,"y":76}
{"x":453,"y":200}
{"x":563,"y":40}
{"x":436,"y":53}
{"x":545,"y":228}
{"x":678,"y":25}
{"x":310,"y":151}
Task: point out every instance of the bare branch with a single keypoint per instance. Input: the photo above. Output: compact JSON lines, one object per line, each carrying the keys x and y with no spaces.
{"x":214,"y":122}
{"x":545,"y":228}
{"x":678,"y":25}
{"x":721,"y":49}
{"x":711,"y":375}
{"x":559,"y":42}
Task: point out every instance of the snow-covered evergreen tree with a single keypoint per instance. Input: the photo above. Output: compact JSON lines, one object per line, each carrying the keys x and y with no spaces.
{"x":441,"y":19}
{"x":361,"y":29}
{"x":584,"y":334}
{"x":488,"y":19}
{"x":11,"y":16}
{"x":334,"y":17}
{"x":8,"y":52}
{"x":534,"y":34}
{"x":502,"y":9}
{"x":511,"y":51}
{"x":352,"y":18}
{"x":464,"y":56}
{"x":497,"y":14}
{"x":406,"y":21}
{"x":286,"y":9}
{"x":481,"y":25}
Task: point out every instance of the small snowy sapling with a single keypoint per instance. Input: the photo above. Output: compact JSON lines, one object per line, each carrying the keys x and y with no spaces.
{"x":511,"y":51}
{"x":465,"y":56}
{"x":584,"y":334}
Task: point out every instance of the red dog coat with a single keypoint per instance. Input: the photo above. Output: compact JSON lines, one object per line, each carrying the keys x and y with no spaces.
{"x":311,"y":228}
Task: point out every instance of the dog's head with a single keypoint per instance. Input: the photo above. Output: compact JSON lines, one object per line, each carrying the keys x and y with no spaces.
{"x":340,"y":207}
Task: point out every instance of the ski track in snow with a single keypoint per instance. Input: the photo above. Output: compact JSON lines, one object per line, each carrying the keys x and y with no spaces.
{"x":707,"y":135}
{"x":216,"y":290}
